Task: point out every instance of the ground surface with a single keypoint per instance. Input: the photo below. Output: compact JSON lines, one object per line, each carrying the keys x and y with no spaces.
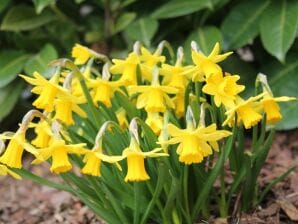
{"x":27,"y":203}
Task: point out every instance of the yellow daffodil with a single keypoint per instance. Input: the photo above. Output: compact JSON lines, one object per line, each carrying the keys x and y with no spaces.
{"x":121,"y":117}
{"x":223,"y":88}
{"x":153,"y":98}
{"x":246,"y":110}
{"x":58,"y":151}
{"x":127,"y":68}
{"x":271,"y":108}
{"x":149,"y":60}
{"x":179,"y":102}
{"x":65,"y":105}
{"x":103,"y":90}
{"x":6,"y":171}
{"x":46,"y":89}
{"x":81,"y":54}
{"x":43,"y":134}
{"x":12,"y":156}
{"x":195,"y":144}
{"x":155,"y":122}
{"x":173,"y":76}
{"x":206,"y":65}
{"x":135,"y":161}
{"x":93,"y":161}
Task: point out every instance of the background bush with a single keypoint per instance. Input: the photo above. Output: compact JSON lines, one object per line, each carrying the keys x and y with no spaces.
{"x":263,"y":35}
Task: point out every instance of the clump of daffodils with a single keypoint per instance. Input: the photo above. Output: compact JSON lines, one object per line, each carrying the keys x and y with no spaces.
{"x":121,"y":123}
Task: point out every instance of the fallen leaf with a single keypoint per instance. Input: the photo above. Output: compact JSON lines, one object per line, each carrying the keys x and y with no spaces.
{"x":289,"y":209}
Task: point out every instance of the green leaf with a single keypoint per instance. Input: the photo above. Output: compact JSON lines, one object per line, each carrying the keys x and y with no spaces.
{"x":4,"y":4}
{"x":283,"y":80}
{"x":41,"y":4}
{"x":242,"y":23}
{"x":123,"y":21}
{"x":11,"y":63}
{"x":180,"y":8}
{"x":206,"y":37}
{"x":142,"y":30}
{"x":21,"y":18}
{"x":278,"y":27}
{"x":9,"y":95}
{"x":40,"y":61}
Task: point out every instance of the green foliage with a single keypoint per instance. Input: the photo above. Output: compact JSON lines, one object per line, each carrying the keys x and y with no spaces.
{"x":266,"y":29}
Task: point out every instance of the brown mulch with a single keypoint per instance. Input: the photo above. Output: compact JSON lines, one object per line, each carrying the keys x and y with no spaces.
{"x":24,"y":202}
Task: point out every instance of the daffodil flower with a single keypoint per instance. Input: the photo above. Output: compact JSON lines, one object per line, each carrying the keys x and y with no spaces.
{"x":155,"y":122}
{"x":127,"y":68}
{"x":153,"y":98}
{"x":206,"y":65}
{"x":195,"y":144}
{"x":58,"y":150}
{"x":121,"y":117}
{"x":103,"y":90}
{"x":81,"y":54}
{"x":173,"y":76}
{"x":135,"y":161}
{"x":93,"y":159}
{"x":46,"y":89}
{"x":246,"y":110}
{"x":148,"y":61}
{"x":12,"y":156}
{"x":65,"y":105}
{"x":43,"y":134}
{"x":271,"y":108}
{"x":223,"y":88}
{"x":6,"y":171}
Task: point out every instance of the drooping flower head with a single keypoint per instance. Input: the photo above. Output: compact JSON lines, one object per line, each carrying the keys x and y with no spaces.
{"x":126,"y":68}
{"x":65,"y":105}
{"x":46,"y":89}
{"x":43,"y":134}
{"x":12,"y":157}
{"x":135,"y":157}
{"x":246,"y":110}
{"x":195,"y":144}
{"x":4,"y":171}
{"x":206,"y":65}
{"x":58,"y":150}
{"x":223,"y":88}
{"x":81,"y":54}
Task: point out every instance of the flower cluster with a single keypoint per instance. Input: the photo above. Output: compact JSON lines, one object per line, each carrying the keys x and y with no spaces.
{"x":170,"y":98}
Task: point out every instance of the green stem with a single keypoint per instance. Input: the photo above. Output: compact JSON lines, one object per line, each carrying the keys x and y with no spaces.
{"x":136,"y":214}
{"x":223,"y":202}
{"x":42,"y":181}
{"x":185,"y":192}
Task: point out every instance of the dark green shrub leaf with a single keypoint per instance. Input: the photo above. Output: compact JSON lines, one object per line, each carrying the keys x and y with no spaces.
{"x":11,"y":63}
{"x":41,"y":4}
{"x":21,"y":17}
{"x":242,"y":23}
{"x":142,"y":30}
{"x":3,"y":4}
{"x":279,"y":27}
{"x":180,"y":8}
{"x":9,"y":95}
{"x":123,"y":21}
{"x":40,"y":61}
